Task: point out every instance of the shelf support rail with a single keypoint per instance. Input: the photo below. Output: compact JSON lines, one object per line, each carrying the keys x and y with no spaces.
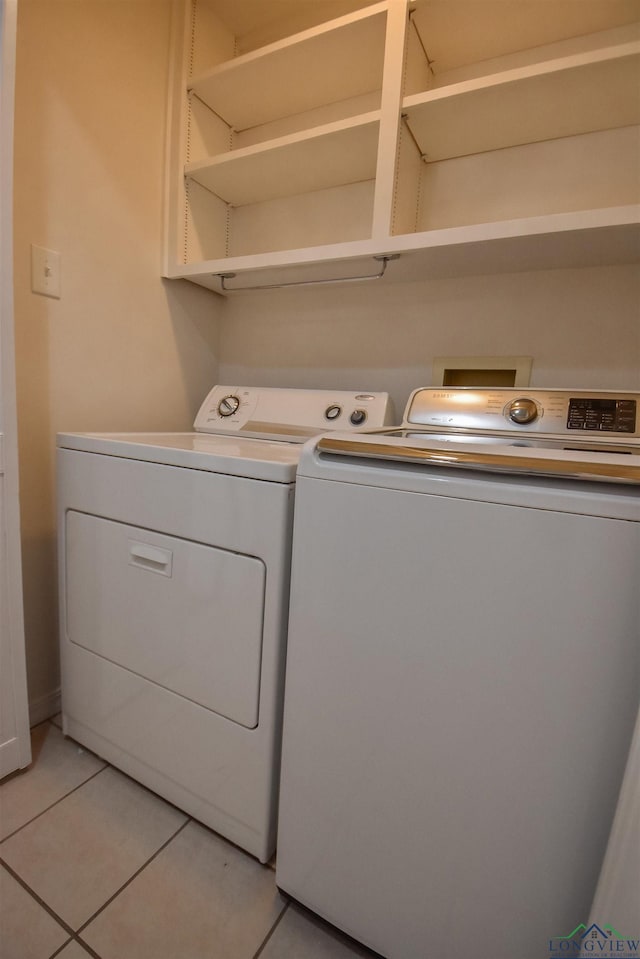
{"x":383,"y":259}
{"x":430,"y":62}
{"x":405,"y":119}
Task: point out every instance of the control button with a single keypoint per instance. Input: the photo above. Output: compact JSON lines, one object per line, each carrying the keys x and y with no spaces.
{"x":522,"y":411}
{"x":626,"y":421}
{"x":333,"y":412}
{"x":358,"y":417}
{"x":576,"y":420}
{"x":228,"y":406}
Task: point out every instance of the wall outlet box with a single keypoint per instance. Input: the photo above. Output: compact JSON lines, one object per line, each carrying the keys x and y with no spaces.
{"x":45,"y":271}
{"x":500,"y":371}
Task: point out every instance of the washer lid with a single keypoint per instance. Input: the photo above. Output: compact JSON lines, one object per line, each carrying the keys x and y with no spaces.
{"x":231,"y":455}
{"x":617,"y":464}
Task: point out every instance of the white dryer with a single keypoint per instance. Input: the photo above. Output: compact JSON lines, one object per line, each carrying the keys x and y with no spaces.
{"x":174,"y":557}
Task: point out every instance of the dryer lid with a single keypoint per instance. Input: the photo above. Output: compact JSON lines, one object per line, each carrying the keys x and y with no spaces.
{"x":231,"y":455}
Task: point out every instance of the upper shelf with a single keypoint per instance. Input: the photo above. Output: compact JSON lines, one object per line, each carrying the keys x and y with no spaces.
{"x":335,"y":61}
{"x":334,"y":154}
{"x":563,"y":97}
{"x":460,"y":33}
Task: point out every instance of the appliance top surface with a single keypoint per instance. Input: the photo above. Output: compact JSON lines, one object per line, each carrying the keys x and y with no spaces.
{"x":553,"y":445}
{"x":231,"y":455}
{"x":246,"y":431}
{"x":565,"y":435}
{"x":481,"y":467}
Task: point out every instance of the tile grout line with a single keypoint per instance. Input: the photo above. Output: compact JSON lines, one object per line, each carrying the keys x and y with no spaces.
{"x":54,"y":915}
{"x":131,"y":878}
{"x":268,"y":936}
{"x":61,"y":948}
{"x":17,"y":878}
{"x":75,"y":934}
{"x":34,"y":895}
{"x":53,"y":804}
{"x":87,"y":948}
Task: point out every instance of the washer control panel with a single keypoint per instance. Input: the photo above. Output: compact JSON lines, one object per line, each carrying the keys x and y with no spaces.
{"x":290,"y":414}
{"x":535,"y":411}
{"x":603,"y":415}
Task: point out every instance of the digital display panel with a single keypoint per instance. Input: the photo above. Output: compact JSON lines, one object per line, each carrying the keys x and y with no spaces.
{"x":602,"y":415}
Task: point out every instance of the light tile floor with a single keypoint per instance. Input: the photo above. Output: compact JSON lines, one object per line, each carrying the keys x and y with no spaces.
{"x":93,"y":864}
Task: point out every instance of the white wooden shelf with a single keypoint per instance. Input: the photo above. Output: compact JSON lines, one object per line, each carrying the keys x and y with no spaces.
{"x":332,"y":155}
{"x":536,"y":116}
{"x":577,"y":94}
{"x":459,"y":35}
{"x":336,"y":61}
{"x":587,"y":238}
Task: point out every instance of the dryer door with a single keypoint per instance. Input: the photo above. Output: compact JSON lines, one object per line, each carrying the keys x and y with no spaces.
{"x":181,"y":614}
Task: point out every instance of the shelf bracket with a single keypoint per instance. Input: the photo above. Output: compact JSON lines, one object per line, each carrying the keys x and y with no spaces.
{"x":383,"y":260}
{"x":430,"y":62}
{"x":405,"y":119}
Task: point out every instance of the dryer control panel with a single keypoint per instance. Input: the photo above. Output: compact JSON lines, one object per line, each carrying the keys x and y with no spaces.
{"x":555,"y":412}
{"x":289,"y":414}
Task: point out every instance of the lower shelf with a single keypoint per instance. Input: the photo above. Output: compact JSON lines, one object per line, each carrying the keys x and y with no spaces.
{"x":588,"y":238}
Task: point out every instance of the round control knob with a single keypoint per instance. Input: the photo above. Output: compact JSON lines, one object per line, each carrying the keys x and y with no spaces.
{"x":522,"y":411}
{"x":358,"y":417}
{"x":333,"y":412}
{"x":228,"y":406}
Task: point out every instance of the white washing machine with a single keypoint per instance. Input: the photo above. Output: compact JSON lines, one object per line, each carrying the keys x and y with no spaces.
{"x":463,"y":671}
{"x":174,"y":559}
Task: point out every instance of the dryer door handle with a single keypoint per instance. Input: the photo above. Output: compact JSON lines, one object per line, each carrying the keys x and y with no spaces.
{"x":154,"y":559}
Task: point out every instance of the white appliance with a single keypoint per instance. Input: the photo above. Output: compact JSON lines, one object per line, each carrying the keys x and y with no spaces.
{"x":174,"y":555}
{"x":462,"y":670}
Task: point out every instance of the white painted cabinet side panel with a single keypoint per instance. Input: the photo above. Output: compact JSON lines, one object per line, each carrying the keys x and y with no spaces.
{"x":390,"y":118}
{"x":15,"y":747}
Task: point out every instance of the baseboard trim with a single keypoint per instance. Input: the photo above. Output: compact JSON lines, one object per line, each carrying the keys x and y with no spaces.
{"x":44,"y":708}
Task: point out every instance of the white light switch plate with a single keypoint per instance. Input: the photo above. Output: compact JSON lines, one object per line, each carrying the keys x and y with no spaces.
{"x":45,"y":271}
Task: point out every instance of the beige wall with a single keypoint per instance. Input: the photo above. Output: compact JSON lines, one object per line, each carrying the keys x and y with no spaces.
{"x":122,"y":349}
{"x":125,"y":350}
{"x":582,"y":328}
